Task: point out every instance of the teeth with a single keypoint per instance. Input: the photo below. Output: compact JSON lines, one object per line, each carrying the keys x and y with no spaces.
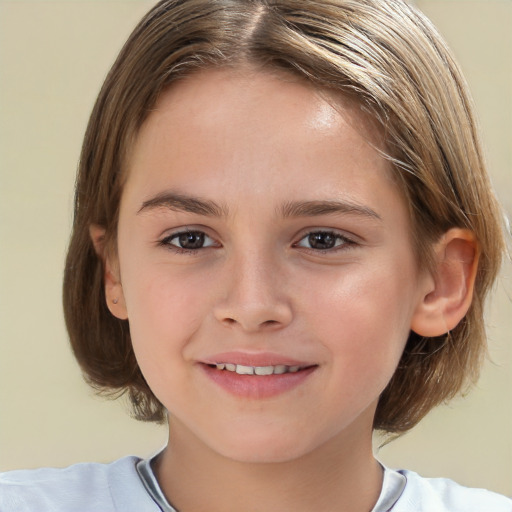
{"x":244,"y":370}
{"x":278,"y":369}
{"x":263,"y":370}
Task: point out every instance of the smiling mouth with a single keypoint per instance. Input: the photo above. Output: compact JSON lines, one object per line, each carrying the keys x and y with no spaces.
{"x":240,"y":369}
{"x":257,"y":381}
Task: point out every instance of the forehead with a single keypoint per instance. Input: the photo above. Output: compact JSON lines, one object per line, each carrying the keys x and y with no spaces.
{"x":254,"y":143}
{"x":258,"y":110}
{"x":206,"y":93}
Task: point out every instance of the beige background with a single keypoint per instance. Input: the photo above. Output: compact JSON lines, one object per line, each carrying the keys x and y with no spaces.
{"x":53,"y":57}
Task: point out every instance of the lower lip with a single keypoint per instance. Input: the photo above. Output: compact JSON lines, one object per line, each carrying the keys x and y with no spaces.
{"x":256,"y":386}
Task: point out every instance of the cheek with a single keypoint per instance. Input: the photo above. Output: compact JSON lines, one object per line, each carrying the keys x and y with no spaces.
{"x":363,"y":318}
{"x":164,"y":309}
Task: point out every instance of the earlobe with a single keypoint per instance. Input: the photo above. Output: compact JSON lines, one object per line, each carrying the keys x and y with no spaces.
{"x":113,"y":288}
{"x":444,"y":306}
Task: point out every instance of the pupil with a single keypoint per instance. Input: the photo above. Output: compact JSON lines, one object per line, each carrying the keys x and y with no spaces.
{"x":192,"y":240}
{"x":322,"y":240}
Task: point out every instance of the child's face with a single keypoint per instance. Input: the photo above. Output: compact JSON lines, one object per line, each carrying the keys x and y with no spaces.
{"x":259,"y":227}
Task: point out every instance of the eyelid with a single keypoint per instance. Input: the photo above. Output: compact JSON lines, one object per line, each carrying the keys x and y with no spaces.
{"x":187,"y":228}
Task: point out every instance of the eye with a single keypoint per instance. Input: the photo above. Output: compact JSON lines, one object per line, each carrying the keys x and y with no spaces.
{"x":323,"y":240}
{"x":189,"y":240}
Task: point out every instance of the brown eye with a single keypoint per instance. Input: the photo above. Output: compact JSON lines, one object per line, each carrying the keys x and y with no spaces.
{"x":321,"y":240}
{"x":188,"y":240}
{"x":324,"y":241}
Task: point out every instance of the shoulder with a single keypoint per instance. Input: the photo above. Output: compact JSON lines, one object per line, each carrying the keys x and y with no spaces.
{"x":78,"y":488}
{"x":444,"y":495}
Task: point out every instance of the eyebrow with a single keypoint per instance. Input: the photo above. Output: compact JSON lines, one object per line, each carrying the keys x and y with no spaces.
{"x":190,"y":204}
{"x":331,"y":207}
{"x":184,"y":203}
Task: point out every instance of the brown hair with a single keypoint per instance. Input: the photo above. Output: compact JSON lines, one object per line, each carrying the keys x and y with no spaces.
{"x":384,"y":53}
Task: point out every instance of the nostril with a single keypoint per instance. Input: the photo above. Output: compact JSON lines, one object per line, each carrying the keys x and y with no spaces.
{"x":251,"y":317}
{"x":266,"y":323}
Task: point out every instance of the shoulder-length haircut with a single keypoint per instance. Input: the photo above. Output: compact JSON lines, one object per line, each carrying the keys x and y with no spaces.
{"x":383,"y":53}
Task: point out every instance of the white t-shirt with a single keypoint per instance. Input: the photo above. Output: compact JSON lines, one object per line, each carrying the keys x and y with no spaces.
{"x":129,"y":485}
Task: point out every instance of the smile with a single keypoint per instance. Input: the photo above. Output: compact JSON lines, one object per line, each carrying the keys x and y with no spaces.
{"x":279,"y":369}
{"x":258,"y":382}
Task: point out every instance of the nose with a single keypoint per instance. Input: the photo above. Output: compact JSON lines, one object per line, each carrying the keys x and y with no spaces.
{"x":254,"y":297}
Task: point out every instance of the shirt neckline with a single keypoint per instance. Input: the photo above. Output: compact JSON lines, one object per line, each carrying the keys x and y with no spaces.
{"x":393,"y":485}
{"x":151,"y":484}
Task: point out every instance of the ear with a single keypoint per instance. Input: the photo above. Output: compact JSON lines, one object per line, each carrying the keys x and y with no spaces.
{"x":450,"y":292}
{"x":113,"y":287}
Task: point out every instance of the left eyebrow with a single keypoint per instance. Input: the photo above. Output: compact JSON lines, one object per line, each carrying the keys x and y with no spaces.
{"x":332,"y":207}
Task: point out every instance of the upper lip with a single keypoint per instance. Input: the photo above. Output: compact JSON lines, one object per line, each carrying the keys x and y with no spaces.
{"x":254,"y":359}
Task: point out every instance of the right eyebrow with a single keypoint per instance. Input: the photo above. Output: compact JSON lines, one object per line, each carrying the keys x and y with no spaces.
{"x":184,"y":203}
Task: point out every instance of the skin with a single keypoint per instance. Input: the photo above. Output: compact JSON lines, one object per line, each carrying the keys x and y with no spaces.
{"x":251,"y":143}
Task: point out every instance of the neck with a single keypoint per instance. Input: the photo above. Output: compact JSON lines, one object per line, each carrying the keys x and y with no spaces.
{"x":340,"y":475}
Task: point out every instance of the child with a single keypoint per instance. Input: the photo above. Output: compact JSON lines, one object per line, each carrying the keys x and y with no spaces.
{"x":283,"y":238}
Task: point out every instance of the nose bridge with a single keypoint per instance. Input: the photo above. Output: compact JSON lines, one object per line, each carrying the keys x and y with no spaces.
{"x":254,"y":298}
{"x":254,"y":282}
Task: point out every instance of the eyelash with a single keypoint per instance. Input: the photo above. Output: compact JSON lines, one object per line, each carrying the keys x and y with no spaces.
{"x":345,"y":242}
{"x":167,"y":241}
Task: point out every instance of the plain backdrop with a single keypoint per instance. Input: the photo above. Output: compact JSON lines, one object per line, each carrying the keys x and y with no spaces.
{"x":53,"y":58}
